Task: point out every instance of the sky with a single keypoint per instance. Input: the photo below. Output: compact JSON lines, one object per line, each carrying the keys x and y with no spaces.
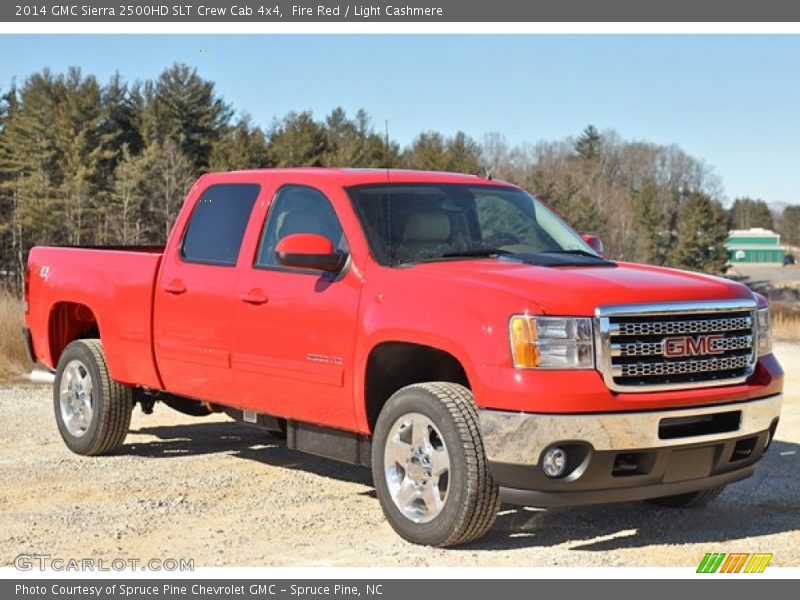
{"x":732,"y":101}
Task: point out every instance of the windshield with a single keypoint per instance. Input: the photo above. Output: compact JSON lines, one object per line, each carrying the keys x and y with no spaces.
{"x":406,"y":223}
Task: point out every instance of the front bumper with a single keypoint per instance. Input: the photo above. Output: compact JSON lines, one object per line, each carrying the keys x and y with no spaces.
{"x":616,"y":457}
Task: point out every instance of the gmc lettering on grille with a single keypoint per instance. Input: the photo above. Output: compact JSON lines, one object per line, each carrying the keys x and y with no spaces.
{"x":679,"y":346}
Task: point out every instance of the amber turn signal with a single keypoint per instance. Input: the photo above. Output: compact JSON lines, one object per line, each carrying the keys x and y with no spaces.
{"x":523,"y":342}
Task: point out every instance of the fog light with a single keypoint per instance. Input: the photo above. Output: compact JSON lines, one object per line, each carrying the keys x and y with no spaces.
{"x":555,"y":462}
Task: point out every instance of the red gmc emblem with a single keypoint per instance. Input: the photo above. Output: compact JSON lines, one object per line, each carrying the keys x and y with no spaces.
{"x":675,"y":347}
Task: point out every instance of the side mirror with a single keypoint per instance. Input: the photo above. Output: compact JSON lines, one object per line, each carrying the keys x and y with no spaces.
{"x":594,"y":243}
{"x":309,"y":251}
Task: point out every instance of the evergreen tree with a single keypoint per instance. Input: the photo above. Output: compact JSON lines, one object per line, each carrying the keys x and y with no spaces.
{"x":653,"y":237}
{"x":297,"y":141}
{"x":746,"y":213}
{"x":432,"y":151}
{"x":584,"y":216}
{"x":182,"y":107}
{"x":589,"y":144}
{"x":120,"y":126}
{"x":463,"y":154}
{"x":789,"y":225}
{"x":82,"y":148}
{"x":353,"y":142}
{"x":700,"y":235}
{"x":541,"y":186}
{"x":7,"y":208}
{"x":242,"y":146}
{"x":427,"y":151}
{"x":29,"y":167}
{"x":563,"y":193}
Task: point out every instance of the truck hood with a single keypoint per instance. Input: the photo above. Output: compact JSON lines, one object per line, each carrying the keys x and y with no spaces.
{"x":579,"y":290}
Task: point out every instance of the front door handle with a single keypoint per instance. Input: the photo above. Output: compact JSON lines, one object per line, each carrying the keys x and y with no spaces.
{"x":176,"y":286}
{"x":254,"y":296}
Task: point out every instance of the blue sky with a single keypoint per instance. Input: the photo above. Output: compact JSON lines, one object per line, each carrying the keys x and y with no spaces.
{"x":732,"y":101}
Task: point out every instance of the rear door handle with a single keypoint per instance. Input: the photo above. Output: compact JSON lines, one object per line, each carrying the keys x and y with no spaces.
{"x":176,"y":286}
{"x":254,"y":296}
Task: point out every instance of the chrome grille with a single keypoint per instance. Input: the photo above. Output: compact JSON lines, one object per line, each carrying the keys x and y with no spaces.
{"x":679,"y":327}
{"x":632,"y":352}
{"x":681,"y":367}
{"x":657,"y":348}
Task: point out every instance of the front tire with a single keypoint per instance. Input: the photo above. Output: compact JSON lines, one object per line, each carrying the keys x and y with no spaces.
{"x":429,"y":468}
{"x":93,"y":412}
{"x":690,"y":500}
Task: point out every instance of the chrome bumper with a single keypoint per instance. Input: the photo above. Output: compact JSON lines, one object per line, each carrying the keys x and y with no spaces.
{"x":520,"y":438}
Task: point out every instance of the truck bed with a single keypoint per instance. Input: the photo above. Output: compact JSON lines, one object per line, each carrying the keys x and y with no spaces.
{"x":110,"y":290}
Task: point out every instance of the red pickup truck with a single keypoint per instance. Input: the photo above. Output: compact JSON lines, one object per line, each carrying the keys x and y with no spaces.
{"x":450,"y":331}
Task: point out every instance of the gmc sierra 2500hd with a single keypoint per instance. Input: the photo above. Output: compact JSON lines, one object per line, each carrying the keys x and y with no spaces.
{"x":450,"y":331}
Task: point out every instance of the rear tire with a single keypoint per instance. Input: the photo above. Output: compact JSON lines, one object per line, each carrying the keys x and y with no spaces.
{"x":93,"y":412}
{"x":429,"y":468}
{"x":692,"y":499}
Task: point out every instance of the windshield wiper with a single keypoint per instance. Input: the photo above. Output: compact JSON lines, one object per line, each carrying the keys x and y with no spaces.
{"x":476,"y":252}
{"x":456,"y":255}
{"x":561,"y":258}
{"x":573,"y":251}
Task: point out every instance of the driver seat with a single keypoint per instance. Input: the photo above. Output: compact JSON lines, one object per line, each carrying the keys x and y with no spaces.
{"x":425,"y":233}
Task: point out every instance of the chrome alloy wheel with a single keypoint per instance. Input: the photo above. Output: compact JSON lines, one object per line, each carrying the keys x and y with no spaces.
{"x":417,"y":467}
{"x":75,"y":398}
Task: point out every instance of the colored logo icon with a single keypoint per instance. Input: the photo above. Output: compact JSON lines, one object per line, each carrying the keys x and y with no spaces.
{"x":741,"y":562}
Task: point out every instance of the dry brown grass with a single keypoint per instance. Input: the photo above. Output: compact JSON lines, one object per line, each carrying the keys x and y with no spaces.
{"x":786,"y":326}
{"x":785,"y":321}
{"x":13,"y":361}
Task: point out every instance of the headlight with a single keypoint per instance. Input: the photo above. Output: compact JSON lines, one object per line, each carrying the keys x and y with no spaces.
{"x":551,"y":342}
{"x":763,"y":332}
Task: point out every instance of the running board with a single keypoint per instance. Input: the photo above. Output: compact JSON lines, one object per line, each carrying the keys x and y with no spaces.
{"x":263,"y":420}
{"x":344,"y":446}
{"x":336,"y":444}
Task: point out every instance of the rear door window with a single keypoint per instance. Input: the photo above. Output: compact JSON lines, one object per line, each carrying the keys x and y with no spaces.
{"x":218,"y":222}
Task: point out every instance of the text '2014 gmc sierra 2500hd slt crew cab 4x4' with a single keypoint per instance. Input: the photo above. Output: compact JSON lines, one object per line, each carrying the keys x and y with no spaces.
{"x":450,"y":331}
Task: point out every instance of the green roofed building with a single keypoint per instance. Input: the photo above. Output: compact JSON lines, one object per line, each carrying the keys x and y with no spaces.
{"x":754,"y":246}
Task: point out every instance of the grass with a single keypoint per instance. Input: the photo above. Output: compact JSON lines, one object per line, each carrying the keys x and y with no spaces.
{"x":785,"y":321}
{"x":13,"y":360}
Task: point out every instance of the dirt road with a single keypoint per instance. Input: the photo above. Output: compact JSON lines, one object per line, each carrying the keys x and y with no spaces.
{"x":226,"y":494}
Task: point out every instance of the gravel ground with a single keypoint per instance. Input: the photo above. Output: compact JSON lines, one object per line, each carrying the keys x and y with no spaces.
{"x":226,"y":494}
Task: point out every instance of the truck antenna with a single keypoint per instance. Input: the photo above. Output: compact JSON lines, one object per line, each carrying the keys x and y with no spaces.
{"x":386,"y":149}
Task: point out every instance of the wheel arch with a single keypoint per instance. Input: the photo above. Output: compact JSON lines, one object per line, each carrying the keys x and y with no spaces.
{"x":69,"y":321}
{"x":394,"y":364}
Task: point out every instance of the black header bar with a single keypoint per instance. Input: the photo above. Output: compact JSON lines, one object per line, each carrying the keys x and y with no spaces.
{"x":209,"y":11}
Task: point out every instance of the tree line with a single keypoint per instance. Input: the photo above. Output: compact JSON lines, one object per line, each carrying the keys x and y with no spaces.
{"x":90,"y":163}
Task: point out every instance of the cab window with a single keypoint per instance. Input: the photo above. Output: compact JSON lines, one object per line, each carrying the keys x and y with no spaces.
{"x":217,"y":225}
{"x":299,"y":209}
